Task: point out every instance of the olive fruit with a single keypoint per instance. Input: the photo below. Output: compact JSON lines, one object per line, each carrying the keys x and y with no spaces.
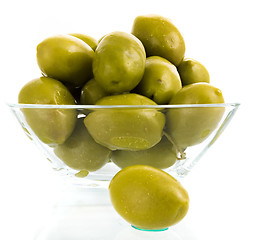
{"x":192,"y":71}
{"x":148,"y":198}
{"x":87,"y":39}
{"x":52,"y":126}
{"x":126,"y":129}
{"x":190,"y":126}
{"x":119,"y":62}
{"x":160,"y":37}
{"x":161,"y":156}
{"x":161,"y":80}
{"x":65,"y":58}
{"x":91,"y":93}
{"x":81,"y":152}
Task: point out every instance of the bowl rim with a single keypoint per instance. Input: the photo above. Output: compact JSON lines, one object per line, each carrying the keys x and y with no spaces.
{"x":79,"y":107}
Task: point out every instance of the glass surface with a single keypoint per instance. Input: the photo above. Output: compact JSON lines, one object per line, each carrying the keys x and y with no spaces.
{"x":98,"y":220}
{"x":189,"y":131}
{"x":170,"y":137}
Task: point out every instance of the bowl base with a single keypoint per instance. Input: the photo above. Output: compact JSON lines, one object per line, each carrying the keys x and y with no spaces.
{"x":151,"y":230}
{"x":96,"y":222}
{"x":86,"y":213}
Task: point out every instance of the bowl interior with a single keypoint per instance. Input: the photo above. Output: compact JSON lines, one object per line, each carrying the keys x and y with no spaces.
{"x":94,"y":142}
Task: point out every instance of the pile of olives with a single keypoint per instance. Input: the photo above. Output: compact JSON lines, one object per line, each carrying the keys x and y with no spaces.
{"x":145,"y":67}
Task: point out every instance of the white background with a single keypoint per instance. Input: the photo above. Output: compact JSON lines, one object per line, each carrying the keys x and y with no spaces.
{"x":220,"y":34}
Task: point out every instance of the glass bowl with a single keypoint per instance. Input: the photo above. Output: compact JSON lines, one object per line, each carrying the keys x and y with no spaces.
{"x":170,"y":137}
{"x":88,"y":144}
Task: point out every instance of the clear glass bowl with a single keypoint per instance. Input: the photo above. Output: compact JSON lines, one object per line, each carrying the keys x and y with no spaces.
{"x":171,"y":137}
{"x":132,"y":132}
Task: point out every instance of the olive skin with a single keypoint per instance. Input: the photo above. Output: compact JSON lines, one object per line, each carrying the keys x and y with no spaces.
{"x":119,"y":62}
{"x":87,"y":39}
{"x":161,"y":80}
{"x":160,"y":37}
{"x":52,"y":126}
{"x":126,"y":129}
{"x":161,"y":156}
{"x":148,"y":198}
{"x":192,"y":71}
{"x":66,"y":58}
{"x":91,"y":93}
{"x":191,"y":126}
{"x":81,"y":152}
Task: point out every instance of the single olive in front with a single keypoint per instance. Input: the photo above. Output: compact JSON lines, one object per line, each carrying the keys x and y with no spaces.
{"x":161,"y":156}
{"x":160,"y":37}
{"x":66,"y":58}
{"x":119,"y":62}
{"x":81,"y":152}
{"x":126,"y":129}
{"x":190,"y":126}
{"x":148,"y":198}
{"x":52,"y":126}
{"x":192,"y":71}
{"x":161,"y":80}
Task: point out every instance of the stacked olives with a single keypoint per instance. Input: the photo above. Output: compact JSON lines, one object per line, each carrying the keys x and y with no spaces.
{"x":144,"y":67}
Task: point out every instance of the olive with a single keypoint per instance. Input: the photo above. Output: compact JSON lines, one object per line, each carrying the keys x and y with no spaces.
{"x":192,"y":71}
{"x":162,"y":156}
{"x":148,"y":198}
{"x":81,"y":152}
{"x":126,"y":129}
{"x":160,"y":37}
{"x":66,"y":58}
{"x":119,"y":62}
{"x":100,"y":39}
{"x":192,"y":125}
{"x":87,"y":39}
{"x":161,"y":80}
{"x":91,"y":93}
{"x":52,"y":126}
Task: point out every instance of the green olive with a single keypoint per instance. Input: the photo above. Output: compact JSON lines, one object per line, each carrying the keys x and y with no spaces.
{"x":91,"y":93}
{"x":192,"y":71}
{"x":190,"y":126}
{"x":161,"y":156}
{"x":87,"y":39}
{"x":119,"y":62}
{"x":66,"y":58}
{"x":161,"y":80}
{"x":126,"y":129}
{"x":160,"y":37}
{"x":52,"y":126}
{"x":81,"y":152}
{"x":148,"y":198}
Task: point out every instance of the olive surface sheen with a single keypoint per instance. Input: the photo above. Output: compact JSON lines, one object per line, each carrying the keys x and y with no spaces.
{"x":148,"y":198}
